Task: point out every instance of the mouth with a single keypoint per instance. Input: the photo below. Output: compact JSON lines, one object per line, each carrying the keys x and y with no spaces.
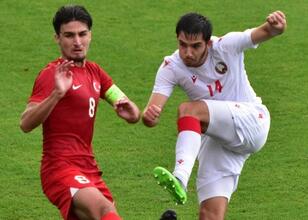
{"x":77,"y":51}
{"x":188,"y":60}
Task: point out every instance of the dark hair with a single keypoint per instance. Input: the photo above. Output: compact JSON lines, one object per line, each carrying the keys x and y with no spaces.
{"x":69,"y":13}
{"x":194,"y":23}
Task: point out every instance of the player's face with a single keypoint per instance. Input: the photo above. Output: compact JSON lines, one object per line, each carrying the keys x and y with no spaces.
{"x":192,"y":49}
{"x":74,"y":40}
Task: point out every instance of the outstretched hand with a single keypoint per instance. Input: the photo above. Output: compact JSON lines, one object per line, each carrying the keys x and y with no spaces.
{"x":277,"y":22}
{"x":63,"y":77}
{"x":127,"y":110}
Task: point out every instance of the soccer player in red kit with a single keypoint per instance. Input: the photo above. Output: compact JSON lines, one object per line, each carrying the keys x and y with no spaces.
{"x":64,"y":100}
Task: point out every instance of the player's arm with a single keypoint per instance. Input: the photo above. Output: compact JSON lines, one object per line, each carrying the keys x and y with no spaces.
{"x":152,"y":111}
{"x":36,"y":113}
{"x":123,"y":106}
{"x":275,"y":25}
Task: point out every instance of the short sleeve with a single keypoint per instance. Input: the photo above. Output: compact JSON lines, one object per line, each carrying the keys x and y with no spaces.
{"x":165,"y":79}
{"x":43,"y":85}
{"x":235,"y":42}
{"x":105,"y":81}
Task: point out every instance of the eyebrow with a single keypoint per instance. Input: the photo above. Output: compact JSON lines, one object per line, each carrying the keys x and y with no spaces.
{"x":73,"y":33}
{"x":183,"y":42}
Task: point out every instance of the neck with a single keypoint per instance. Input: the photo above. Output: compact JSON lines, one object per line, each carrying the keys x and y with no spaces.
{"x":77,"y":62}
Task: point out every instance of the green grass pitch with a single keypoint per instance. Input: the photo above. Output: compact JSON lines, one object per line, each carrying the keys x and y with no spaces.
{"x":129,"y":40}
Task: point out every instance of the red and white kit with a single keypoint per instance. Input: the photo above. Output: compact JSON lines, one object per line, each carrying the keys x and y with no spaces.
{"x":223,"y":84}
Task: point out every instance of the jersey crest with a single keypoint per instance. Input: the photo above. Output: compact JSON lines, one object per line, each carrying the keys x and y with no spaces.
{"x":221,"y":67}
{"x":96,"y":86}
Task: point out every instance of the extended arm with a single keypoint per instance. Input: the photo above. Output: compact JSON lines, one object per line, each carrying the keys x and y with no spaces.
{"x":36,"y":113}
{"x":152,"y":111}
{"x":124,"y":107}
{"x":275,"y":25}
{"x":127,"y":110}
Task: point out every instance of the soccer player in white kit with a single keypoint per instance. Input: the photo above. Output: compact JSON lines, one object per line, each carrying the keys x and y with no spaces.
{"x":224,"y":121}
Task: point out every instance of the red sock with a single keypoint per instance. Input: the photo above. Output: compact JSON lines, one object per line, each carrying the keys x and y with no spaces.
{"x":187,"y":147}
{"x":111,"y":216}
{"x":189,"y":123}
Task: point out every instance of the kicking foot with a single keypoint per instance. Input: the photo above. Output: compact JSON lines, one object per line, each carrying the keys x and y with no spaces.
{"x":171,"y":184}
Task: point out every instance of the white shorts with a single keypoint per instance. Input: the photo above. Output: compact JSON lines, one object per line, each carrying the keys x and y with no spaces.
{"x":235,"y":131}
{"x":223,"y":187}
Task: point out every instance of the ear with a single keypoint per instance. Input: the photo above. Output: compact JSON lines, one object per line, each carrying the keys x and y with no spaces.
{"x":56,"y":38}
{"x":209,"y":43}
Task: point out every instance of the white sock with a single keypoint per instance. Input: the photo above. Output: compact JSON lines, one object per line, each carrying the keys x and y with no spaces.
{"x":187,"y":149}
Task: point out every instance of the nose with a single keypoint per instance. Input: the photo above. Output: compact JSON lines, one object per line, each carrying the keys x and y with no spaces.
{"x":77,"y":40}
{"x":189,"y":52}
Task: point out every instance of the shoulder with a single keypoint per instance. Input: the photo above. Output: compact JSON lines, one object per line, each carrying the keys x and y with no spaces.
{"x":49,"y":70}
{"x":233,"y":41}
{"x":99,"y":74}
{"x":94,"y":67}
{"x":172,"y":62}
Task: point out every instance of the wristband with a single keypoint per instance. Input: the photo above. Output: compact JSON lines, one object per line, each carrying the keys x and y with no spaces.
{"x":113,"y":94}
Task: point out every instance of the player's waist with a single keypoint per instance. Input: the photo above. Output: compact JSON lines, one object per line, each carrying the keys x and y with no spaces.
{"x":66,"y":145}
{"x":55,"y":163}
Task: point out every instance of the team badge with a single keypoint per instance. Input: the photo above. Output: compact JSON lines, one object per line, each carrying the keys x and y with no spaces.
{"x":96,"y":86}
{"x":221,"y":67}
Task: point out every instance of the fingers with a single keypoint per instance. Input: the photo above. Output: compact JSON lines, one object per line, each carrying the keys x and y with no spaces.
{"x":65,"y":66}
{"x":276,"y":18}
{"x":152,"y":113}
{"x":277,"y":23}
{"x":69,"y":73}
{"x":121,"y":101}
{"x":63,"y":76}
{"x":281,"y":14}
{"x":123,"y":104}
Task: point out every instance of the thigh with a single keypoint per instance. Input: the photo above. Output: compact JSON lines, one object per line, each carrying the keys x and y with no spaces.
{"x":90,"y":202}
{"x":252,"y":122}
{"x":60,"y":186}
{"x":215,"y":163}
{"x":222,"y":187}
{"x":221,"y":123}
{"x":240,"y":127}
{"x":214,"y":197}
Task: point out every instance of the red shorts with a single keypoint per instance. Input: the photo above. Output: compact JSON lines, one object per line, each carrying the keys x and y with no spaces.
{"x":59,"y":187}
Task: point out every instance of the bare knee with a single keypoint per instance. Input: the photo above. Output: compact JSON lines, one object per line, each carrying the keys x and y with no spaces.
{"x":213,"y":209}
{"x":101,"y":209}
{"x":184,"y":109}
{"x":210,"y":214}
{"x":196,"y":109}
{"x":90,"y":204}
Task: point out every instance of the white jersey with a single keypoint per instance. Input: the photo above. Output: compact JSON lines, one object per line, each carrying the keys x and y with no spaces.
{"x":221,"y":77}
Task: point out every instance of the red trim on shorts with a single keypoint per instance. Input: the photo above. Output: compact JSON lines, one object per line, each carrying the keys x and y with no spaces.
{"x":189,"y":123}
{"x":111,"y":216}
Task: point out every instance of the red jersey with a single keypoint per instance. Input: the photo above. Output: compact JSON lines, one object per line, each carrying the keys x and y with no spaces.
{"x":68,"y":130}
